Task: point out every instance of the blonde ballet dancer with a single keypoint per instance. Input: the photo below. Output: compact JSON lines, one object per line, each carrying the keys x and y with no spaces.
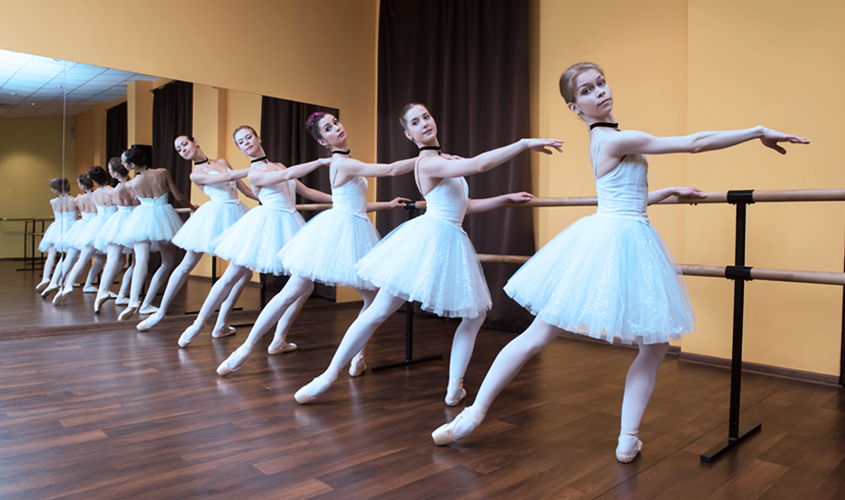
{"x":608,"y":275}
{"x":88,"y":209}
{"x":219,"y":182}
{"x":149,"y":227}
{"x":253,"y":241}
{"x":430,"y":259}
{"x":54,"y":240}
{"x":328,"y":247}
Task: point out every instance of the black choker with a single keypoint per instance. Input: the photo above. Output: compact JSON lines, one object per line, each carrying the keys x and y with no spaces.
{"x":263,"y":158}
{"x":338,"y":152}
{"x":433,"y":148}
{"x":201,"y":162}
{"x":604,"y":124}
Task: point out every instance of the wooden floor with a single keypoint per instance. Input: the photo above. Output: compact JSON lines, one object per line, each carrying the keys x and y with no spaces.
{"x":122,"y":414}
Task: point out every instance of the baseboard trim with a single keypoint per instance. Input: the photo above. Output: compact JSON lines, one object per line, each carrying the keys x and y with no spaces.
{"x":775,"y":371}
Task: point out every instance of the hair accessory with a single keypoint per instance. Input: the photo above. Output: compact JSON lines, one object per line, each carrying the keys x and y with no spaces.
{"x":201,"y":162}
{"x":604,"y":124}
{"x":338,"y":152}
{"x":313,"y":117}
{"x":263,"y":158}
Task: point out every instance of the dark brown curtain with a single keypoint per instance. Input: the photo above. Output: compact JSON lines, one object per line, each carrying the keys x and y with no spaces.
{"x":287,"y":141}
{"x":117,"y":131}
{"x":467,"y":60}
{"x":173,"y":115}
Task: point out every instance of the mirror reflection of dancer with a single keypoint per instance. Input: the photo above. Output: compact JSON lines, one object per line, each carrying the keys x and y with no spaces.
{"x":150,"y":226}
{"x":86,"y":206}
{"x":328,"y":247}
{"x":54,"y":240}
{"x":430,"y":259}
{"x":106,"y":242}
{"x":608,"y":275}
{"x":253,"y":241}
{"x":220,"y":183}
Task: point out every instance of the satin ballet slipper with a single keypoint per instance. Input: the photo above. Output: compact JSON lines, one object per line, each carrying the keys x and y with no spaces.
{"x":235,"y":360}
{"x":226,"y":332}
{"x":49,"y":290}
{"x":626,"y":455}
{"x":89,"y":289}
{"x":41,"y":286}
{"x":468,"y":421}
{"x":278,"y":346}
{"x":455,"y":392}
{"x":357,"y":367}
{"x":190,"y":333}
{"x":119,"y":300}
{"x":98,"y":303}
{"x":128,"y":312}
{"x":61,"y":296}
{"x":317,"y":387}
{"x":149,"y":322}
{"x":148,"y":310}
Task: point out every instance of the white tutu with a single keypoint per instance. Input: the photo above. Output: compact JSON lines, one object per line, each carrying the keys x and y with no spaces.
{"x":429,"y":261}
{"x":206,"y":224}
{"x":609,"y":278}
{"x":76,"y":229}
{"x":111,"y":230}
{"x":149,"y":223}
{"x":255,"y":239}
{"x":88,"y":234}
{"x":56,"y":233}
{"x":328,"y":247}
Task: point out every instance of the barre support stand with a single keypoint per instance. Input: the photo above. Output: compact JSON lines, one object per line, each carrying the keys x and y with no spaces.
{"x":740,"y":274}
{"x":409,"y":325}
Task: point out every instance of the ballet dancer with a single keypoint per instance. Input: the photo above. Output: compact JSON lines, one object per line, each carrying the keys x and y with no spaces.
{"x":608,"y":275}
{"x":54,"y":239}
{"x":149,"y":227}
{"x":254,"y":240}
{"x":327,"y":248}
{"x":446,"y":277}
{"x":220,"y":183}
{"x":86,"y":206}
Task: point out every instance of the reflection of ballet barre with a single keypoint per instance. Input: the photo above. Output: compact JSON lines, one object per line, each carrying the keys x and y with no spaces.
{"x":29,"y":260}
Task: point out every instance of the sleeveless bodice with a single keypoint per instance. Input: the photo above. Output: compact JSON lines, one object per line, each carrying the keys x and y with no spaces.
{"x":448,"y":200}
{"x":107,"y":210}
{"x":158,"y":200}
{"x":623,"y":192}
{"x":86,"y":216}
{"x":350,"y":197}
{"x":125,"y":208}
{"x":221,"y":192}
{"x":281,"y":196}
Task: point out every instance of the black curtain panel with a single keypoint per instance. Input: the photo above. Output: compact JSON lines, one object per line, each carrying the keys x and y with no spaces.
{"x":173,"y":115}
{"x":117,"y":131}
{"x":467,"y":61}
{"x":287,"y":141}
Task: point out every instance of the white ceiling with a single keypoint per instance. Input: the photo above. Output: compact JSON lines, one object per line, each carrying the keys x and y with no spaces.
{"x":34,"y":86}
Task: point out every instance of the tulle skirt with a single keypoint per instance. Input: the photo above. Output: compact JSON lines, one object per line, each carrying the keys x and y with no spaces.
{"x":328,"y":247}
{"x":255,"y":239}
{"x":206,"y":224}
{"x":111,"y":230}
{"x":56,"y":235}
{"x":152,"y":223}
{"x":432,"y":262}
{"x":608,"y":278}
{"x":88,"y":234}
{"x":73,"y":234}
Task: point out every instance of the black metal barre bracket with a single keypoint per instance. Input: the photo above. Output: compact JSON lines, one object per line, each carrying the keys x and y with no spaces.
{"x":409,"y":325}
{"x":739,"y":273}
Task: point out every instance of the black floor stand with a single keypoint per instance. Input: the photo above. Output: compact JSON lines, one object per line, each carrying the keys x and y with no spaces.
{"x":409,"y":326}
{"x":740,"y":274}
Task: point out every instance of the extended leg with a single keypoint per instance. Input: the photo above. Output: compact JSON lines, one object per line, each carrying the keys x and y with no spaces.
{"x":462,"y":346}
{"x":114,"y":262}
{"x":216,"y":296}
{"x":125,"y":282}
{"x":96,"y":269}
{"x":221,"y":326}
{"x":168,"y":259}
{"x":139,"y":276}
{"x":174,"y":284}
{"x":48,"y":272}
{"x":357,"y":366}
{"x":638,"y":388}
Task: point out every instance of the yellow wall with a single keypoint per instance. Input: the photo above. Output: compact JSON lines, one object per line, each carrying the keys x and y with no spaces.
{"x":30,"y":155}
{"x":680,"y":66}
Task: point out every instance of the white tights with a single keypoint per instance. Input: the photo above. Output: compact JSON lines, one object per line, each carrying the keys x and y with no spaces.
{"x":142,"y":259}
{"x":114,"y":263}
{"x":226,"y":291}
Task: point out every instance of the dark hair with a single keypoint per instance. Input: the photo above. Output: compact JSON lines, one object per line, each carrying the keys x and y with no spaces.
{"x":134,"y":156}
{"x":99,"y":175}
{"x":60,"y":184}
{"x":405,"y":110}
{"x":241,"y":128}
{"x":117,"y":167}
{"x":313,"y":124}
{"x":85,"y":181}
{"x":190,"y":137}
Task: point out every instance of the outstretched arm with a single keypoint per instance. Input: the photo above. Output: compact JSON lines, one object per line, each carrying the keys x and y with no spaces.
{"x":487,"y":204}
{"x":201,"y":179}
{"x":176,"y":193}
{"x":635,"y":142}
{"x":312,"y":194}
{"x":441,"y":167}
{"x":243,"y":188}
{"x":266,"y":178}
{"x":397,"y":202}
{"x":659,"y":195}
{"x":350,"y":166}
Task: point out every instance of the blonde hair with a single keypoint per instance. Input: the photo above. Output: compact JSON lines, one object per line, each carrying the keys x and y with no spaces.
{"x":567,"y":79}
{"x":402,"y":119}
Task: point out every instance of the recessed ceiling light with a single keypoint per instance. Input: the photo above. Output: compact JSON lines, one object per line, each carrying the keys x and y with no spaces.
{"x":33,"y":104}
{"x":14,"y":93}
{"x":59,"y":87}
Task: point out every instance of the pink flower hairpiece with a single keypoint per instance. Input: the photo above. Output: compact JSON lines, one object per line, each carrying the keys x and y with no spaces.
{"x":311,"y":118}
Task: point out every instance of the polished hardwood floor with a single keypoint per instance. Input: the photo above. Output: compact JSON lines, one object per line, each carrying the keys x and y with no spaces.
{"x":122,"y":414}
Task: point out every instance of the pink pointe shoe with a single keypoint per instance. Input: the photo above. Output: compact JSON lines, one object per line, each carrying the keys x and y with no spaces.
{"x":464,"y":424}
{"x":455,"y":393}
{"x":317,"y":387}
{"x":41,"y":286}
{"x":357,"y":367}
{"x":128,"y":312}
{"x":190,"y":333}
{"x":279,"y":346}
{"x":150,"y":322}
{"x":627,"y":454}
{"x":227,"y":331}
{"x":235,"y":360}
{"x":61,"y":296}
